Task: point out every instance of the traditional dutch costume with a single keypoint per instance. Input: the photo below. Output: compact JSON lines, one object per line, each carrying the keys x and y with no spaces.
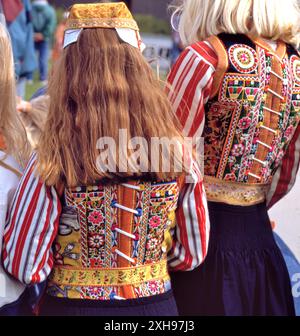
{"x":243,"y":97}
{"x":104,"y":248}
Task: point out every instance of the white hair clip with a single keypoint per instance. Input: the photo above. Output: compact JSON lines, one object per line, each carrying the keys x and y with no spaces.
{"x":127,"y":35}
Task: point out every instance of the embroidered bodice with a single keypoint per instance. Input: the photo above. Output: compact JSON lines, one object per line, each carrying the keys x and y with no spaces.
{"x":113,"y":240}
{"x":255,"y":112}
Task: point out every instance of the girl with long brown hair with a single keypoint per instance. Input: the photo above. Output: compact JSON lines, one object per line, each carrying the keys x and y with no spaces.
{"x":116,"y":226}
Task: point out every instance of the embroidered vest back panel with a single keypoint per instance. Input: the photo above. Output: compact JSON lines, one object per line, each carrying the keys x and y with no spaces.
{"x":113,"y":241}
{"x":251,"y":121}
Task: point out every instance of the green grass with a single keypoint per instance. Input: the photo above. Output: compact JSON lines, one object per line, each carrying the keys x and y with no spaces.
{"x":32,"y":88}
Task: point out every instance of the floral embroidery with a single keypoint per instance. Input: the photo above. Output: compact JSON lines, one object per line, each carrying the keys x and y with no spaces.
{"x":238,"y":150}
{"x":96,"y":241}
{"x":95,"y":217}
{"x":89,"y":245}
{"x":152,"y":244}
{"x":154,"y":222}
{"x":230,"y":177}
{"x":154,"y":287}
{"x":244,"y":123}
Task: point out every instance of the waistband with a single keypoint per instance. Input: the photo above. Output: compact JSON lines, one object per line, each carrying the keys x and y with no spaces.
{"x":234,"y":193}
{"x":109,"y":303}
{"x":68,"y":276}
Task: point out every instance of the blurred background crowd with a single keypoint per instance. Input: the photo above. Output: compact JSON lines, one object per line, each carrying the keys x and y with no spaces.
{"x":37,"y":29}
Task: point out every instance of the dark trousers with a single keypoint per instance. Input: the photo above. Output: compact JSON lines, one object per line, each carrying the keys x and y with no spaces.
{"x":42,"y":48}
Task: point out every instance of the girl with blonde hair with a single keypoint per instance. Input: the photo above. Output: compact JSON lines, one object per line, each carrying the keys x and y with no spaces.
{"x":237,"y":84}
{"x":12,"y":155}
{"x":110,"y":230}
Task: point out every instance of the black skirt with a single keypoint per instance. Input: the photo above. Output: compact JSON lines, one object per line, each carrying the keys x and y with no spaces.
{"x":244,"y":273}
{"x":159,"y":305}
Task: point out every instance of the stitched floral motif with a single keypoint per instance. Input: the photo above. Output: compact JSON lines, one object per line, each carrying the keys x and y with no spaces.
{"x":152,"y":288}
{"x":243,"y":58}
{"x":163,"y":200}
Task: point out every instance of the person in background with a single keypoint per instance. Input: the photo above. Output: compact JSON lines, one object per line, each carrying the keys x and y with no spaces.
{"x":59,"y":38}
{"x":237,"y":85}
{"x":33,"y":115}
{"x":18,"y":19}
{"x":44,"y":23}
{"x":13,"y":152}
{"x":110,"y":229}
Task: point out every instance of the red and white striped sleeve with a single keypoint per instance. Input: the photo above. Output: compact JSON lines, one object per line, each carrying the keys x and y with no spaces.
{"x":31,"y":228}
{"x":286,"y":175}
{"x":190,"y":84}
{"x":191,"y":233}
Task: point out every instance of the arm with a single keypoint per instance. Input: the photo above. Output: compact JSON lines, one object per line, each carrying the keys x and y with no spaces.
{"x":51,"y":24}
{"x":191,"y":234}
{"x":190,"y":86}
{"x":31,"y":228}
{"x":285,"y":177}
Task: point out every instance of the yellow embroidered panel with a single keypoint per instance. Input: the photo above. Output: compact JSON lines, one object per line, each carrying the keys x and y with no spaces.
{"x":101,"y":15}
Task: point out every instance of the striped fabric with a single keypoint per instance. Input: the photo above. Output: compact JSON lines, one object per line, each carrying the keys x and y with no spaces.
{"x":286,"y":175}
{"x":31,"y":228}
{"x":190,"y":86}
{"x":191,"y":234}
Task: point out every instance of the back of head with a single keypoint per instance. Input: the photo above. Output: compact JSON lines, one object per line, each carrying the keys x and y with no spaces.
{"x":100,"y":85}
{"x":270,"y":19}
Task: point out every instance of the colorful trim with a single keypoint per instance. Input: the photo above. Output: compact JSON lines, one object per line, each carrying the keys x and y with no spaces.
{"x":240,"y":194}
{"x":115,"y":277}
{"x":243,"y":58}
{"x":101,"y":23}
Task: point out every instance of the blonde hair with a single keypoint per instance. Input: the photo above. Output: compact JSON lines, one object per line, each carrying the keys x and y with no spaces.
{"x":34,"y":120}
{"x":270,"y":19}
{"x":101,"y":85}
{"x":11,"y":127}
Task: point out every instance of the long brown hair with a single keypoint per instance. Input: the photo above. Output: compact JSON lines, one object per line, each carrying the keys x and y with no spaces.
{"x":99,"y":86}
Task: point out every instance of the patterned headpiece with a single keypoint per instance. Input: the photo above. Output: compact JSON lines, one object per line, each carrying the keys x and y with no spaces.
{"x":102,"y":15}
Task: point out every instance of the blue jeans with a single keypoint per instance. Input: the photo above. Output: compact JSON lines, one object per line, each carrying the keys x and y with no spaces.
{"x":42,"y":49}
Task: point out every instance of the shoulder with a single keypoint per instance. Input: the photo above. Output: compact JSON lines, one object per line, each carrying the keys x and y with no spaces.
{"x":196,"y":60}
{"x":205,"y":51}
